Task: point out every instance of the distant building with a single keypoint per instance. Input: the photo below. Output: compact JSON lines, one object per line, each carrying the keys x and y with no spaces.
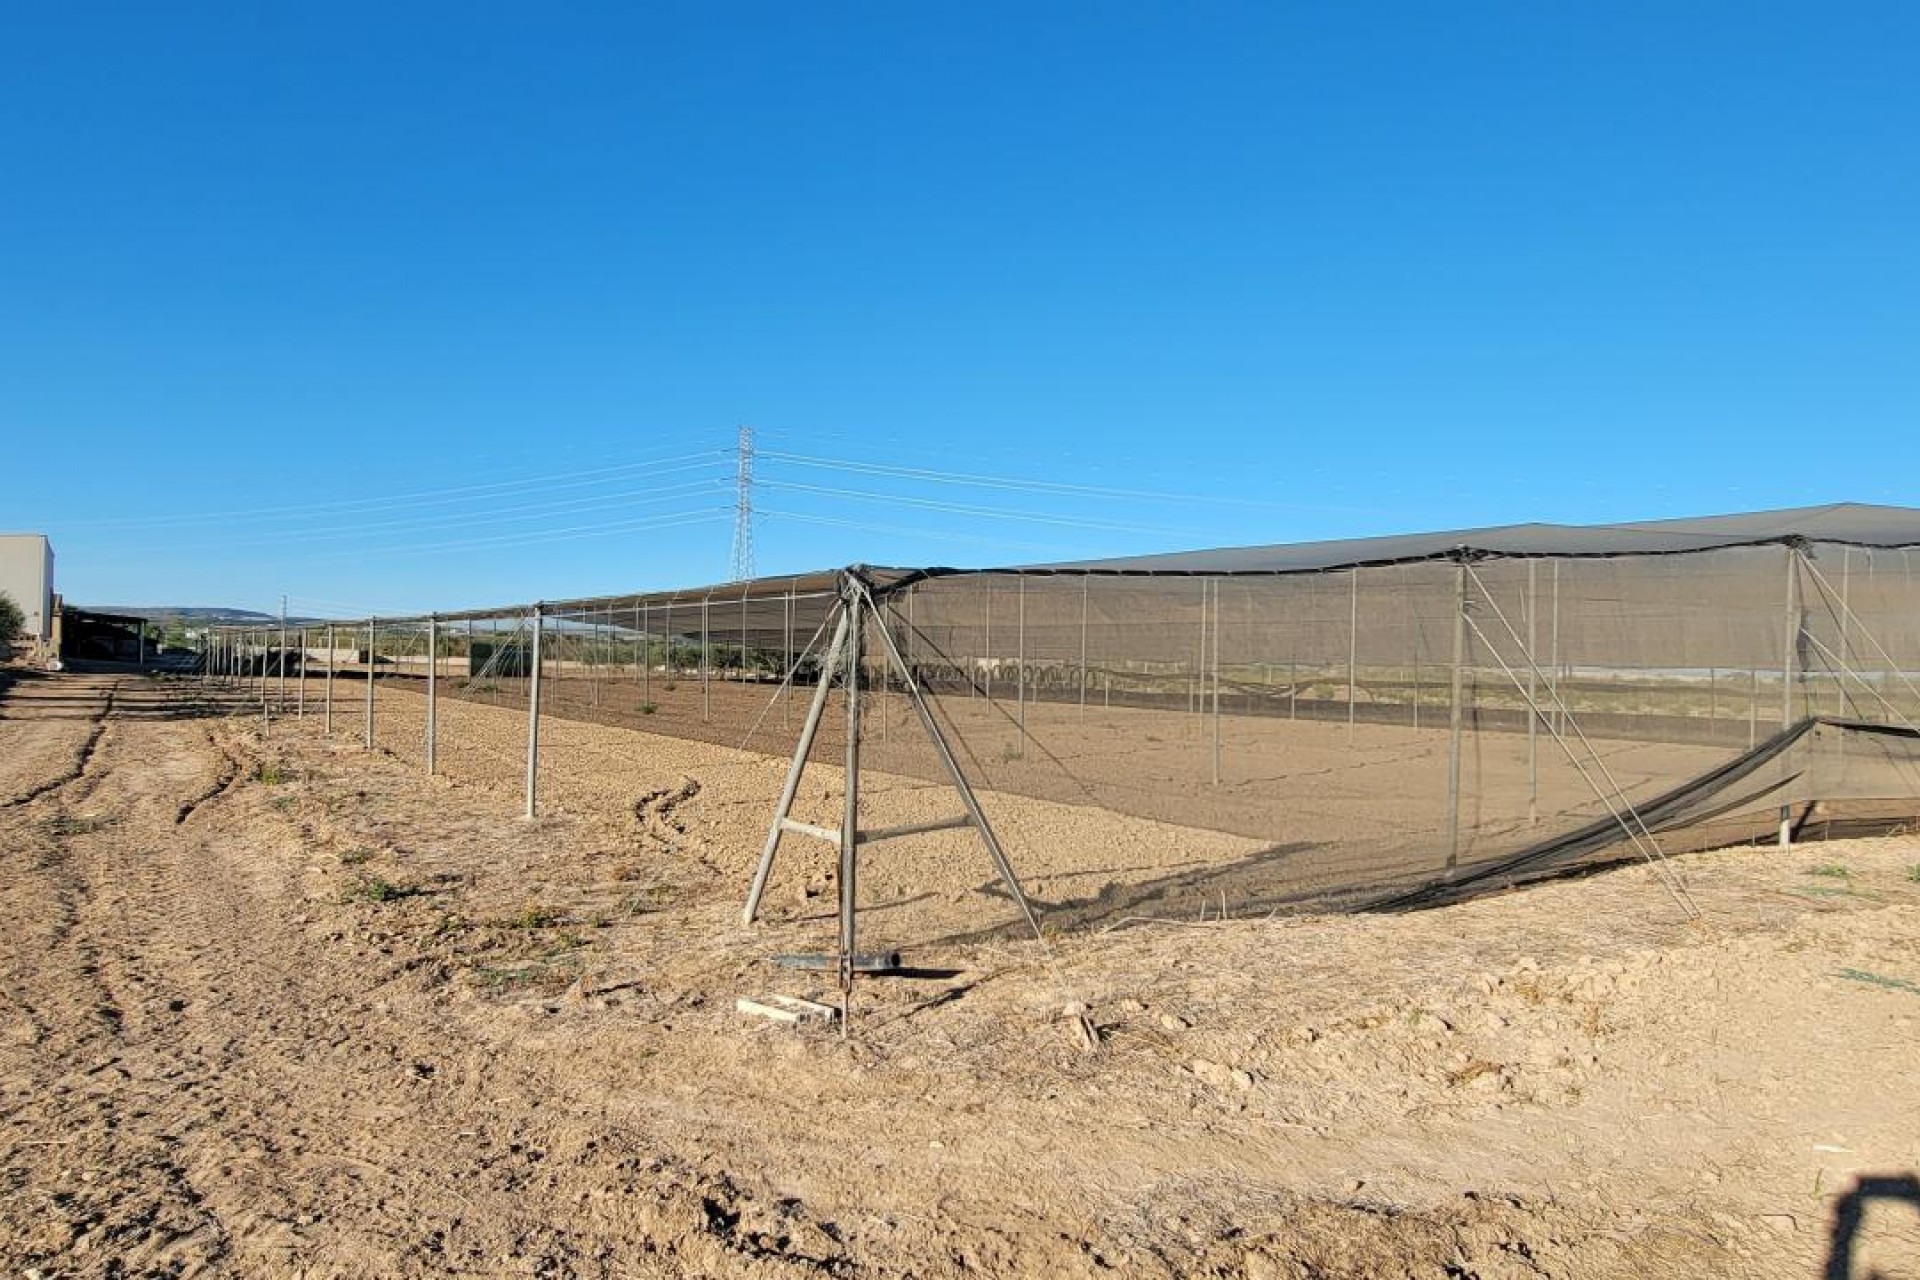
{"x":26,"y":574}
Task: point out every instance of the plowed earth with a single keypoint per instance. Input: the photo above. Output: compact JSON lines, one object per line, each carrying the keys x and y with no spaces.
{"x":276,"y":1005}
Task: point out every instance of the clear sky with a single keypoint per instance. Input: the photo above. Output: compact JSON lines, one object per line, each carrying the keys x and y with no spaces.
{"x":405,"y":307}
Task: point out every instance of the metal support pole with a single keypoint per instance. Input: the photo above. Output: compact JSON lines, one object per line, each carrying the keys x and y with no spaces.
{"x":886,"y":692}
{"x":1454,"y":715}
{"x":1788,"y":660}
{"x":1197,"y":687}
{"x":1084,"y":580}
{"x":646,"y":652}
{"x":141,"y":632}
{"x":303,"y":674}
{"x":706,"y":659}
{"x":282,"y":650}
{"x":1553,"y":658}
{"x":850,"y":814}
{"x":1216,"y":683}
{"x":533,"y":718}
{"x":433,"y":691}
{"x":1020,"y":687}
{"x":1533,"y":721}
{"x":1845,"y":648}
{"x":1753,"y":711}
{"x":786,"y":660}
{"x":373,"y":640}
{"x":1353,"y":647}
{"x":333,"y":660}
{"x":987,"y":645}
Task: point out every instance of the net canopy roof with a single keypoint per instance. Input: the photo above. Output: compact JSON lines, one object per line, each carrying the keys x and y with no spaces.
{"x":1844,"y":523}
{"x":1850,"y":523}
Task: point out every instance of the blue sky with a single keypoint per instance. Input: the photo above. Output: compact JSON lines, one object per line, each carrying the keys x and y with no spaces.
{"x":413,"y":307}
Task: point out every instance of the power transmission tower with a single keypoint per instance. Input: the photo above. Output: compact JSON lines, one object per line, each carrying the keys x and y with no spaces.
{"x":743,"y":509}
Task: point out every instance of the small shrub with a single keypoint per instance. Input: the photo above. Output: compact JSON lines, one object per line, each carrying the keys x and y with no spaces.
{"x":66,"y":824}
{"x":1831,"y":870}
{"x":669,"y":686}
{"x":1913,"y":873}
{"x":533,"y":916}
{"x":271,"y":773}
{"x":652,"y":898}
{"x":648,"y":708}
{"x":355,"y":857}
{"x":497,"y":979}
{"x":375,"y":889}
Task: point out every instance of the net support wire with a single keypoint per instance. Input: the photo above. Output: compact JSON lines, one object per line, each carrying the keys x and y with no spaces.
{"x":844,"y":660}
{"x":1613,"y":796}
{"x":1861,"y":628}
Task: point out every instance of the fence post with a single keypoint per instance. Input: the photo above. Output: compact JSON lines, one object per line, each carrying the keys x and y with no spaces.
{"x":1533,"y":701}
{"x":333,"y":660}
{"x":1020,"y":669}
{"x":533,"y":718}
{"x":433,"y":689}
{"x":850,"y":811}
{"x":1353,"y":647}
{"x":373,"y":642}
{"x":1787,"y":663}
{"x":1084,"y":580}
{"x":1216,"y":682}
{"x":1454,"y":712}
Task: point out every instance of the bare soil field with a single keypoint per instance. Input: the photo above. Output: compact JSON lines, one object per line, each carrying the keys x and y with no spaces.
{"x":277,"y":1005}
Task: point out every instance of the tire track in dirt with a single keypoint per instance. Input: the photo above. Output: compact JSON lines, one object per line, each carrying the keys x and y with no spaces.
{"x":655,"y":811}
{"x":258,"y":1092}
{"x":78,"y":1081}
{"x":83,"y":757}
{"x":223,"y":782}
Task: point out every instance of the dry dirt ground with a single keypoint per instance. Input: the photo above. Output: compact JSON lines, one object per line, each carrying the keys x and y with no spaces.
{"x":276,"y":1005}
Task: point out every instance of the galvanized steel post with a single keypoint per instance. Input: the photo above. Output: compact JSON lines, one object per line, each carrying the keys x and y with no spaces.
{"x":373,"y":641}
{"x":533,"y":718}
{"x":433,"y":689}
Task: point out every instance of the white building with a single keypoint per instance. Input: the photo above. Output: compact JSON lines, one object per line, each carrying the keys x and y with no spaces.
{"x":26,"y":574}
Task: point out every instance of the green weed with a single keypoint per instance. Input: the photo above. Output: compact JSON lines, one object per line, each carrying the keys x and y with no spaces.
{"x":67,"y":824}
{"x":533,"y":916}
{"x":375,"y":889}
{"x":1831,"y":870}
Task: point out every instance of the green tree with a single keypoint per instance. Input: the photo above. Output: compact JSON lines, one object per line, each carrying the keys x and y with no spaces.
{"x":12,"y":621}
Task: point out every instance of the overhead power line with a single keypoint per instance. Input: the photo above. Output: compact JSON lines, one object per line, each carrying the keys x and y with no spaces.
{"x":896,"y":530}
{"x":961,"y":508}
{"x":1014,"y":483}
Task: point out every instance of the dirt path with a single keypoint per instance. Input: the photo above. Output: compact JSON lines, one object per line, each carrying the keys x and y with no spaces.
{"x":282,"y":1007}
